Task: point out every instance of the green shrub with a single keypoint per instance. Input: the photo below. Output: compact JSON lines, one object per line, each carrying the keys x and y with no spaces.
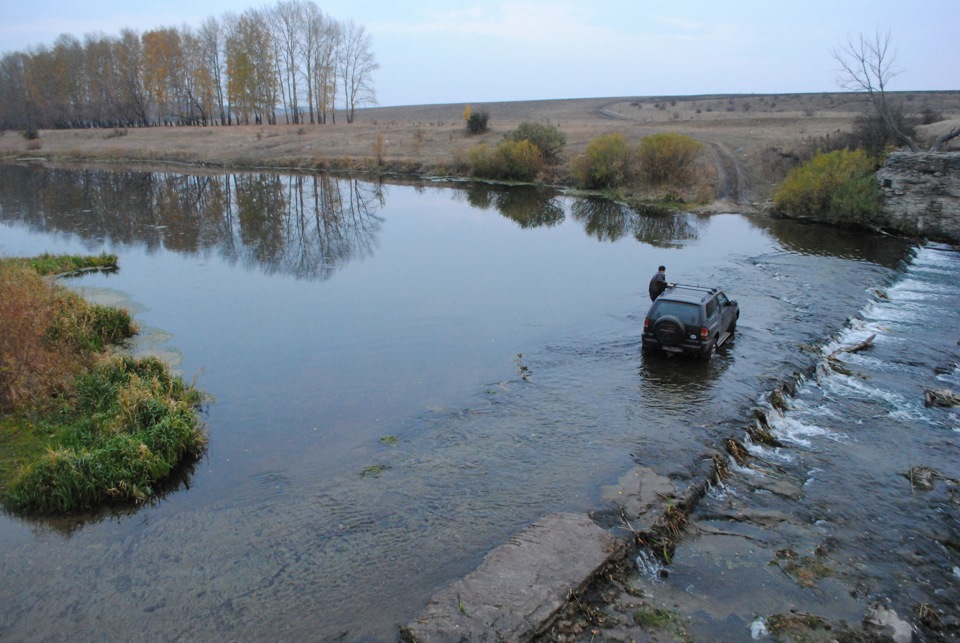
{"x":510,"y":161}
{"x":481,"y":161}
{"x":477,"y":122}
{"x":668,"y":158}
{"x":548,"y":138}
{"x":607,"y":163}
{"x":836,"y":187}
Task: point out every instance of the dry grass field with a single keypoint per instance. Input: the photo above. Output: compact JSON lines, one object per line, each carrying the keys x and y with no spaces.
{"x":750,"y":140}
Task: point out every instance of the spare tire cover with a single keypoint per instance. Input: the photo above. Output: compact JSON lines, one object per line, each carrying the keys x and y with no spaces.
{"x":668,"y":330}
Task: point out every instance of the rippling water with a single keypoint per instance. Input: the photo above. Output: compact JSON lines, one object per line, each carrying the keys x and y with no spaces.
{"x":861,"y":507}
{"x":330,"y":316}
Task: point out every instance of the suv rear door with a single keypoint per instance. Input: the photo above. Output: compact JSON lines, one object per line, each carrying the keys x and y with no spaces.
{"x":726,"y":310}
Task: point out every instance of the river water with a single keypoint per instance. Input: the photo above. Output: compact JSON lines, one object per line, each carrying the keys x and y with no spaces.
{"x":858,"y":513}
{"x":403,"y":376}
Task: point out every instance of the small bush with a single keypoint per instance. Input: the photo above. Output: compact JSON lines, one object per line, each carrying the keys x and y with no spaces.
{"x":609,"y":162}
{"x":928,"y":116}
{"x":836,"y":187}
{"x":30,"y":134}
{"x":418,"y":136}
{"x":668,"y":157}
{"x":510,"y":160}
{"x":548,"y":138}
{"x":478,"y":122}
{"x":379,"y":149}
{"x":871,"y":132}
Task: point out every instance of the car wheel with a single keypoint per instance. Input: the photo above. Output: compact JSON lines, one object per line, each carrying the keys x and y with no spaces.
{"x":708,"y":355}
{"x":669,"y":330}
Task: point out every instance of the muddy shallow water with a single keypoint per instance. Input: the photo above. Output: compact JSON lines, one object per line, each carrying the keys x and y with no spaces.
{"x":403,"y":377}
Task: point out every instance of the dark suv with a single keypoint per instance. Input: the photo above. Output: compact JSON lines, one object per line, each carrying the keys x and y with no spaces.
{"x":690,"y":319}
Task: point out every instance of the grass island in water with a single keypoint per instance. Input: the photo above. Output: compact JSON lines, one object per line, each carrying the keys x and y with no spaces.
{"x":81,"y":427}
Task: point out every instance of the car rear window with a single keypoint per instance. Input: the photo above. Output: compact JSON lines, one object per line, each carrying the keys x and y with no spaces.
{"x":689,"y":314}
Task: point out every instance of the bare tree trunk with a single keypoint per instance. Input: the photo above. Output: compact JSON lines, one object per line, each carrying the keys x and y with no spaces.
{"x":868,"y":66}
{"x":943,"y":139}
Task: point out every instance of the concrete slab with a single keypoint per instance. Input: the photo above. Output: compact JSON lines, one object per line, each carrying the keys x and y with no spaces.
{"x":521,"y":585}
{"x":640,"y":493}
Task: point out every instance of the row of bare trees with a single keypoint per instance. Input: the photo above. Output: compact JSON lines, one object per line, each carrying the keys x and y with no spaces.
{"x":288,"y":62}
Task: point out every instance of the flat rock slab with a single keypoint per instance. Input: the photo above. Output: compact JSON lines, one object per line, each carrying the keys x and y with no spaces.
{"x":640,"y":493}
{"x":521,"y":585}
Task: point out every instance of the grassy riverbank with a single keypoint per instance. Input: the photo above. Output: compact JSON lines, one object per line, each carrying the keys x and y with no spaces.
{"x":80,"y":427}
{"x":749,"y":142}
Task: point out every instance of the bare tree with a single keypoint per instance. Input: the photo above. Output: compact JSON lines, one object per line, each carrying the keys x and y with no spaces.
{"x":287,"y":25}
{"x":13,"y":95}
{"x":326,"y":70}
{"x":212,"y":35}
{"x":238,"y":68}
{"x":868,"y":65}
{"x":315,"y":43}
{"x":132,"y":101}
{"x":356,"y":66}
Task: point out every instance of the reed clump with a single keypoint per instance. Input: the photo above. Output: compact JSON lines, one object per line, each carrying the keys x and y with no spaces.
{"x":79,"y":428}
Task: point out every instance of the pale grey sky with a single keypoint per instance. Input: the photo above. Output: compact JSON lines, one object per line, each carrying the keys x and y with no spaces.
{"x":471,"y":52}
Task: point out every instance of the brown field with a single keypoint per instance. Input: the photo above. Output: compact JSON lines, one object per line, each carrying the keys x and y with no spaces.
{"x":750,"y":140}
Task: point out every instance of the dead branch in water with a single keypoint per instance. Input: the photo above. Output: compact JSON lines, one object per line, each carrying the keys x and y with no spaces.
{"x":833,"y":363}
{"x":867,"y":343}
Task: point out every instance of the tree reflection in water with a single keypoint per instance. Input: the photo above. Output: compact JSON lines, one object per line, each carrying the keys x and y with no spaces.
{"x":307,"y":226}
{"x":304,"y":225}
{"x":529,"y":206}
{"x":609,"y":221}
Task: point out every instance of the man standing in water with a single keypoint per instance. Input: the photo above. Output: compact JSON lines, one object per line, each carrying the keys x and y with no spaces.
{"x":659,"y":283}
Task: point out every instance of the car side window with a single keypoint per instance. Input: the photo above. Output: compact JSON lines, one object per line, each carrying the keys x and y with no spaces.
{"x":712,"y":308}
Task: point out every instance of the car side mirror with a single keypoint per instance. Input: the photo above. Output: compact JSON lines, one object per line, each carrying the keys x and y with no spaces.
{"x":731,"y":303}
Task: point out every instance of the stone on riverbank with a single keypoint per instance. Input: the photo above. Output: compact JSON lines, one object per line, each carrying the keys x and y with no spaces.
{"x":521,"y":585}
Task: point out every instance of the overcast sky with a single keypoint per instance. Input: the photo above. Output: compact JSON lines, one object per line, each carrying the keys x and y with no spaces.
{"x":489,"y":50}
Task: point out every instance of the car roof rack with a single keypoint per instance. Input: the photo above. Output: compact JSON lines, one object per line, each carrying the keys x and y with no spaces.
{"x":701,"y":288}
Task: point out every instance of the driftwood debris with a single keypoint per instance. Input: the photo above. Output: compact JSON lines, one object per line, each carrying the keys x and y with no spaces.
{"x":940,"y":397}
{"x":833,"y":362}
{"x":923,"y":478}
{"x":867,"y":343}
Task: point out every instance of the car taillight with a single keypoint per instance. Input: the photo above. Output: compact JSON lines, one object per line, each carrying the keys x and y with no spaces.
{"x":704,"y":334}
{"x":646,"y":325}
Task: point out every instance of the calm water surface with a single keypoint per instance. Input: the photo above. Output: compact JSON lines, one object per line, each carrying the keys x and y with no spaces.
{"x":327,"y":316}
